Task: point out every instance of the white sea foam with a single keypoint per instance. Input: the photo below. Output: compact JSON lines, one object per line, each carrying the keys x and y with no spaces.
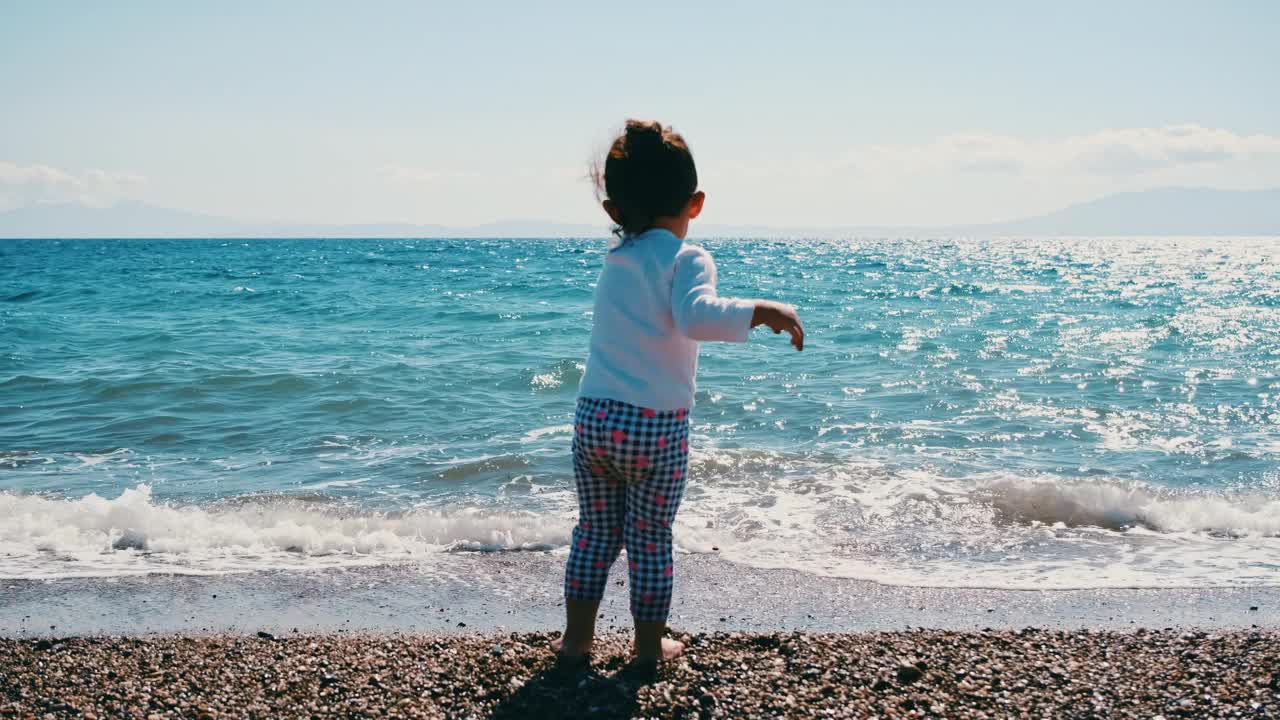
{"x":133,"y":534}
{"x":564,"y":372}
{"x":865,"y":520}
{"x":919,"y":528}
{"x":539,"y":433}
{"x":1116,"y":506}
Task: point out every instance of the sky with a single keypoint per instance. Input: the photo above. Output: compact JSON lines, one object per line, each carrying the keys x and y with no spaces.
{"x":798,"y":113}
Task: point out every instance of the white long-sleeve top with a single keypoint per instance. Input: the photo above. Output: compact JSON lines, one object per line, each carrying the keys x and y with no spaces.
{"x":655,"y":300}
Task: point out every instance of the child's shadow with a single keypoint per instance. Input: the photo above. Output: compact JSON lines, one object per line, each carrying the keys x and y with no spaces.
{"x":558,"y":692}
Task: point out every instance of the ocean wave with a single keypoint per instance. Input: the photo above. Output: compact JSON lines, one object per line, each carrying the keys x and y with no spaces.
{"x":1118,"y":507}
{"x":136,"y":534}
{"x":917,"y":527}
{"x":466,"y":469}
{"x":564,"y":374}
{"x":746,"y":475}
{"x":870,"y":522}
{"x":23,"y":296}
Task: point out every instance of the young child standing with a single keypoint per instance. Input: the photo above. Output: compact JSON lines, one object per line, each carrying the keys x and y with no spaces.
{"x":655,"y":301}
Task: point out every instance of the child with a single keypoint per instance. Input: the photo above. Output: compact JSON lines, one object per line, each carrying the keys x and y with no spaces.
{"x":655,"y":300}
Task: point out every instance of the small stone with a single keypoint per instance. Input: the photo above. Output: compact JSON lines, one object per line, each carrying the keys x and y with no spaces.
{"x":266,"y":635}
{"x":766,"y":642}
{"x":909,"y":674}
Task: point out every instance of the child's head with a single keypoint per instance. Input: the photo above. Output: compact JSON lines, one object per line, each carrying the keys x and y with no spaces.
{"x":649,"y":180}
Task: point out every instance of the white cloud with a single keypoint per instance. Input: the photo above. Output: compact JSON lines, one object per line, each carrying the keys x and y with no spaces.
{"x":419,"y":176}
{"x":402,"y":174}
{"x":40,"y":184}
{"x":978,"y":176}
{"x":1112,"y":152}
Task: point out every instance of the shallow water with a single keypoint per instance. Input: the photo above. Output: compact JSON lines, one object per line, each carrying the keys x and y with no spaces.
{"x":1039,"y":413}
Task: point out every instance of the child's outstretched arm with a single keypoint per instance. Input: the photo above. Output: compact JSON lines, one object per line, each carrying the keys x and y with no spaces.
{"x":700,"y":314}
{"x":779,"y":316}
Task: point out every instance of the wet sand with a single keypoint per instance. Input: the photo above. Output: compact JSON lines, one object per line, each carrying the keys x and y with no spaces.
{"x":466,"y":592}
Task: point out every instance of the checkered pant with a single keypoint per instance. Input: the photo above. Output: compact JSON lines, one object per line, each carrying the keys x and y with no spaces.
{"x":630,"y":465}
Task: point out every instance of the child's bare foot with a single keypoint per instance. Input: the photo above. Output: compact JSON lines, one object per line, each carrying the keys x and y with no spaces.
{"x":644,"y":668}
{"x":574,"y":652}
{"x":671,"y":649}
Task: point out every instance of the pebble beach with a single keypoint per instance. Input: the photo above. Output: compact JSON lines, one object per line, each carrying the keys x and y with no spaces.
{"x":1168,"y":673}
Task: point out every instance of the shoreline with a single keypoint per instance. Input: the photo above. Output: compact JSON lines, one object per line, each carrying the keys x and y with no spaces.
{"x":469,"y":636}
{"x":917,"y":673}
{"x":469,"y":592}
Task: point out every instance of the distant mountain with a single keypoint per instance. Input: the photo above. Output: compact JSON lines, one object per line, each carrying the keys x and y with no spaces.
{"x":121,"y":220}
{"x":138,"y":220}
{"x":1165,"y":211}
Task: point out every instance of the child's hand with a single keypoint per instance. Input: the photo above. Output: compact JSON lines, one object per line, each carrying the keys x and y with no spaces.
{"x":779,"y":316}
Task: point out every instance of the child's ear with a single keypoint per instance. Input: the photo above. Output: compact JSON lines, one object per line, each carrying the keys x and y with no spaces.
{"x":612,"y":209}
{"x":694,"y":208}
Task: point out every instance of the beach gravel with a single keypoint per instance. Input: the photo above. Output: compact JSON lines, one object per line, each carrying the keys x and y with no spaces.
{"x":910,"y":674}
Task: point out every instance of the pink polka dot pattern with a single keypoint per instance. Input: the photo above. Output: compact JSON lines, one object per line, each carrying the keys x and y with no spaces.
{"x":630,"y":466}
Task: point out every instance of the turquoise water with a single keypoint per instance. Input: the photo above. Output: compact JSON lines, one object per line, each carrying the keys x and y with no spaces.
{"x":1038,"y":413}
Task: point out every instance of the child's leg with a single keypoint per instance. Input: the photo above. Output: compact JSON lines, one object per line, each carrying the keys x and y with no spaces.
{"x":651,"y":509}
{"x":597,"y":538}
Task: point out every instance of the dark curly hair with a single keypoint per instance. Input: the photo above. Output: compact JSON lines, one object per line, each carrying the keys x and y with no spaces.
{"x":648,"y":173}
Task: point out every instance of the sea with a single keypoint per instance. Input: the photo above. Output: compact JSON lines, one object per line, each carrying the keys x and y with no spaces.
{"x":1043,"y":413}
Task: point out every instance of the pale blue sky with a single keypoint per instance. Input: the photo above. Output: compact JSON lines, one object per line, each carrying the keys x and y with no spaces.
{"x":798,"y":112}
